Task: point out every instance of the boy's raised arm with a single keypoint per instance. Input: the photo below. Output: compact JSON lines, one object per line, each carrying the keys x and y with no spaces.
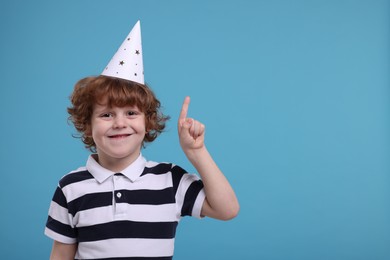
{"x":221,"y":201}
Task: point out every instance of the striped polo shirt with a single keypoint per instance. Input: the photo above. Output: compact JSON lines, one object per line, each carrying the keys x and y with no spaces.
{"x":128,"y":215}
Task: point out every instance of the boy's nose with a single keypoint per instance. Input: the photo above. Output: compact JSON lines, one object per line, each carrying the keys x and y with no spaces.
{"x":119,"y":122}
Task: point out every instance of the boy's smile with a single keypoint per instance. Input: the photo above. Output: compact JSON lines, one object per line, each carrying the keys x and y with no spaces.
{"x":119,"y":136}
{"x":118,"y":133}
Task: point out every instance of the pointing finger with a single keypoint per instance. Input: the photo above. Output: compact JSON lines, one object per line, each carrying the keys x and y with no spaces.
{"x":184,"y":110}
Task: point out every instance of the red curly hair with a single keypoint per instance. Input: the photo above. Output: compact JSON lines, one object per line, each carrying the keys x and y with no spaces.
{"x":112,"y":92}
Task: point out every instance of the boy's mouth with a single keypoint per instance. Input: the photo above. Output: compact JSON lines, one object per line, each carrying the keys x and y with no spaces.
{"x":119,"y":136}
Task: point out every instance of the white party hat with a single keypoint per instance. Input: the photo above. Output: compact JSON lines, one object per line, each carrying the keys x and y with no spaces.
{"x":127,"y":62}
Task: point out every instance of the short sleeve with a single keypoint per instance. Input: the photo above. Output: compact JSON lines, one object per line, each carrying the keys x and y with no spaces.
{"x":59,"y":222}
{"x":190,"y":193}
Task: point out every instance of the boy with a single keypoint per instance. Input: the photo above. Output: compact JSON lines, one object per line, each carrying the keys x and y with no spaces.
{"x":121,"y":206}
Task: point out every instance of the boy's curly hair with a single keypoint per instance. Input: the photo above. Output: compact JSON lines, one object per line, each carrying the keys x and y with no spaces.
{"x":112,"y":92}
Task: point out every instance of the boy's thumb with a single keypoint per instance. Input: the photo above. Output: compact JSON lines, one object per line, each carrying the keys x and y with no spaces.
{"x":188,"y":123}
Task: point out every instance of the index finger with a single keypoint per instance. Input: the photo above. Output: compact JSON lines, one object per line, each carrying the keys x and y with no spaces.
{"x":184,"y":109}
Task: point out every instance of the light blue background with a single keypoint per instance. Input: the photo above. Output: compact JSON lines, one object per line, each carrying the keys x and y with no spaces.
{"x":294,"y":95}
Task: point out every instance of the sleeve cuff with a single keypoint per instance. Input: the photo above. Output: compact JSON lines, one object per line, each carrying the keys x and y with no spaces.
{"x":58,"y":237}
{"x":197,"y":209}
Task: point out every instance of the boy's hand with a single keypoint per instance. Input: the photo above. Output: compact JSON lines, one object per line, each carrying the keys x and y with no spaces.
{"x":191,"y":131}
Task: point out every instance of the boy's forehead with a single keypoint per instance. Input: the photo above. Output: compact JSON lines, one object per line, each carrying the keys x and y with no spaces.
{"x":107,"y":105}
{"x":112,"y":102}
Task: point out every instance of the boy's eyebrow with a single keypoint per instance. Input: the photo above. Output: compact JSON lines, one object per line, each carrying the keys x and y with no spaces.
{"x":99,"y":108}
{"x":135,"y":108}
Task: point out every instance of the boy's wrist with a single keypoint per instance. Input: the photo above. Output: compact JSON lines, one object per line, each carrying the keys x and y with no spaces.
{"x":196,"y":156}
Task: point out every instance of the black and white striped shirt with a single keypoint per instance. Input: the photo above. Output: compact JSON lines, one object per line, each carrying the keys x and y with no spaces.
{"x":124,"y":215}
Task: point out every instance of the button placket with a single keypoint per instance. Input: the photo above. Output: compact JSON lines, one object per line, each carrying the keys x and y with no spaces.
{"x":118,"y":195}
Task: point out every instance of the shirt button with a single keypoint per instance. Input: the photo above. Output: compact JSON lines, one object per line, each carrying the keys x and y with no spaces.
{"x":119,"y":195}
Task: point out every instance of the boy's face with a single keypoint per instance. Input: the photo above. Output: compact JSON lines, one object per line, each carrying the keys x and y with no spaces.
{"x":118,"y":133}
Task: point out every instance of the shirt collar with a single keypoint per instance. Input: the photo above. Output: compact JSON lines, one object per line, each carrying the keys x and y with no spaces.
{"x":133,"y":171}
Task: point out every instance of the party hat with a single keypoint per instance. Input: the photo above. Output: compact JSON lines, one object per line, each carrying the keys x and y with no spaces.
{"x":127,"y":62}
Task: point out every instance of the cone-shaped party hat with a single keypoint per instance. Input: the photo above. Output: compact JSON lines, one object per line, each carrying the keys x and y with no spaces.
{"x":127,"y":62}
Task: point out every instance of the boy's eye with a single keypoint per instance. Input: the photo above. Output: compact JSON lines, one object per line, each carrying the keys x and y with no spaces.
{"x":132,"y":113}
{"x":106,"y":115}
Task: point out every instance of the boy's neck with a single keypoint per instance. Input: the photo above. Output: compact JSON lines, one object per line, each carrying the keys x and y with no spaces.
{"x":115,"y":164}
